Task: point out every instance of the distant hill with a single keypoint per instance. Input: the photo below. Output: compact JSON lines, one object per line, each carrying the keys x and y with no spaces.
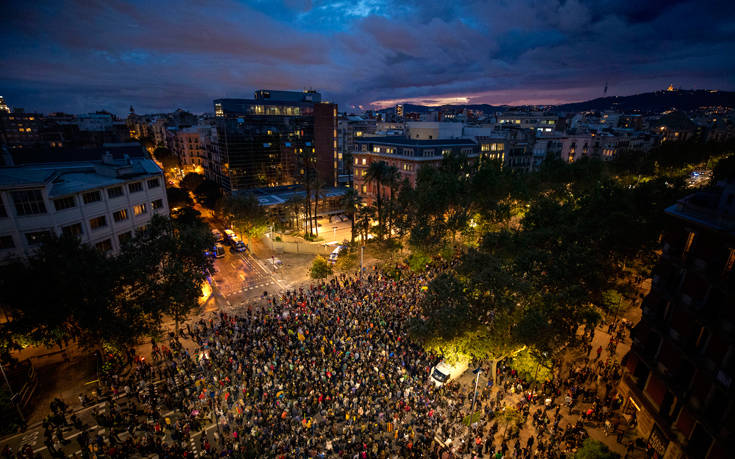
{"x":656,"y":102}
{"x":646,"y":103}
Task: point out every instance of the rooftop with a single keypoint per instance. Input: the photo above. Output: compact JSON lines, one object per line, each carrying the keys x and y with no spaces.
{"x":65,"y":178}
{"x":714,"y":209}
{"x":404,"y":141}
{"x":281,"y":194}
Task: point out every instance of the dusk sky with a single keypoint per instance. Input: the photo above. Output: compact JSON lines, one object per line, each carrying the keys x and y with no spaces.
{"x":87,"y":55}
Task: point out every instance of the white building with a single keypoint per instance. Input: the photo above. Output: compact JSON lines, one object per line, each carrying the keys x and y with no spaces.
{"x":103,"y":202}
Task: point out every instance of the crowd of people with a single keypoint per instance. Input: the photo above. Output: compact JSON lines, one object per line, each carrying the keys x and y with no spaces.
{"x":325,"y":371}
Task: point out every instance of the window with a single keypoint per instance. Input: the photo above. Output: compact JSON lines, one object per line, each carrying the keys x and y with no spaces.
{"x":364,"y":189}
{"x":357,"y":161}
{"x":364,"y":161}
{"x":428,"y":153}
{"x":157,"y":204}
{"x":6,"y":242}
{"x":65,"y":203}
{"x":28,"y":202}
{"x":36,"y":237}
{"x":139,"y":209}
{"x":363,"y":173}
{"x":485,"y":147}
{"x":115,"y":192}
{"x":72,"y":230}
{"x":120,"y":215}
{"x":92,"y":196}
{"x":99,"y":222}
{"x":446,"y":151}
{"x":124,"y":237}
{"x":135,"y":187}
{"x":104,"y":246}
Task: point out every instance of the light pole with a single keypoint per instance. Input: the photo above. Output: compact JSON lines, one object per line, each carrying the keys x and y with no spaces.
{"x":362,"y":253}
{"x":477,"y":372}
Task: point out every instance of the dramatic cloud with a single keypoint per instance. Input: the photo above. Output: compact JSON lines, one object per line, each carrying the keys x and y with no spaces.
{"x":87,"y":55}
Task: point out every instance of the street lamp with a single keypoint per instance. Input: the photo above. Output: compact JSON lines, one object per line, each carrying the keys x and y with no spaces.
{"x":477,"y":372}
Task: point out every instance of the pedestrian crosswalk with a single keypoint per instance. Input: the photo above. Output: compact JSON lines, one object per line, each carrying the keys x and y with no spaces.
{"x":253,"y":287}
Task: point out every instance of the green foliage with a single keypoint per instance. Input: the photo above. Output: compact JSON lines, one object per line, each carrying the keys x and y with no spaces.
{"x":593,"y":449}
{"x":320,"y":268}
{"x":532,"y":367}
{"x":166,"y":157}
{"x":245,"y":215}
{"x":208,"y":193}
{"x":347,"y":262}
{"x":191,"y":181}
{"x":418,"y":260}
{"x":114,"y":299}
{"x":178,"y":197}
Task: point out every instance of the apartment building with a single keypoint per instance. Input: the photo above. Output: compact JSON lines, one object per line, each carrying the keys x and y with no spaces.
{"x":678,"y":378}
{"x":103,"y":202}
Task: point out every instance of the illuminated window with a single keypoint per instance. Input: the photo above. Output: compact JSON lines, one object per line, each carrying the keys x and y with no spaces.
{"x":363,"y":189}
{"x":120,"y":215}
{"x":139,"y":209}
{"x":363,"y":172}
{"x":486,"y":147}
{"x":99,"y":222}
{"x":356,"y":161}
{"x":364,"y":161}
{"x":446,"y":151}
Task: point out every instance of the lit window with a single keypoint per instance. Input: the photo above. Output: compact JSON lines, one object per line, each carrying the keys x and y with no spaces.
{"x":104,"y":246}
{"x":99,"y":222}
{"x":139,"y":209}
{"x":364,"y":189}
{"x":120,"y":215}
{"x":485,"y":147}
{"x":364,"y":161}
{"x":157,"y":204}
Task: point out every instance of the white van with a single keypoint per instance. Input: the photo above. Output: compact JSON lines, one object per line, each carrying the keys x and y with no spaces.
{"x":336,"y":253}
{"x":444,"y":371}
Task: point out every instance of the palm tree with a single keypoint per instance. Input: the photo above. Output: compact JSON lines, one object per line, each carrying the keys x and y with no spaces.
{"x":318,"y":186}
{"x":391,"y":178}
{"x":350,"y":202}
{"x":376,"y":174}
{"x":364,"y":215}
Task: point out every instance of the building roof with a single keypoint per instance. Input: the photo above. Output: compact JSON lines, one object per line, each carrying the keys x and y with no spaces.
{"x":52,"y":155}
{"x":274,"y":196}
{"x":404,"y":141}
{"x":708,"y":208}
{"x":67,"y":178}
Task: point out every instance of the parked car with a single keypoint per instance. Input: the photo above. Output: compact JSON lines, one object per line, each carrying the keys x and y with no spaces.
{"x":217,"y":235}
{"x":230,"y":234}
{"x":219,"y":251}
{"x":334,"y":256}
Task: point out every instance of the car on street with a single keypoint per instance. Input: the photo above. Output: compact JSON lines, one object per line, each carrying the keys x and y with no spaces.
{"x":444,"y":371}
{"x":229,"y":234}
{"x":217,"y":236}
{"x":219,"y":251}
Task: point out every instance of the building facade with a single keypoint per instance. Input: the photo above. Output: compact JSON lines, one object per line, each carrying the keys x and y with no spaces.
{"x":103,"y":202}
{"x":678,"y":375}
{"x":267,"y":141}
{"x":407,"y":155}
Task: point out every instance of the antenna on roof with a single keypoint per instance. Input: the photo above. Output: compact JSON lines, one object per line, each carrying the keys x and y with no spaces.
{"x":604,"y":92}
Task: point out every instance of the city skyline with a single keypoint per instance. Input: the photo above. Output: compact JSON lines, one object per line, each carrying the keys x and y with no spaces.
{"x":86,"y":56}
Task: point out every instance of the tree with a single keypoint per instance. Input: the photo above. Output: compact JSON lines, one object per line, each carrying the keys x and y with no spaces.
{"x":392,"y":179}
{"x":365,"y":215}
{"x":245,"y":215}
{"x":376,"y":174}
{"x":320,"y":268}
{"x":175,"y":280}
{"x":166,"y":157}
{"x":351,"y":202}
{"x":593,"y":449}
{"x":178,"y":197}
{"x":208,"y":193}
{"x":191,"y":181}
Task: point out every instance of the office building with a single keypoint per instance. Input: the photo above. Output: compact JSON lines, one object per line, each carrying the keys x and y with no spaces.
{"x":269,"y":140}
{"x":678,"y":378}
{"x":102,"y":201}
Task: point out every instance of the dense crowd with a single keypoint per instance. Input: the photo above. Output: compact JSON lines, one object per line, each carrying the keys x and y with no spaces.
{"x":326,"y":371}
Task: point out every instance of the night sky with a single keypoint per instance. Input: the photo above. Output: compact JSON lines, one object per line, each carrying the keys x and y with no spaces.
{"x":87,"y":55}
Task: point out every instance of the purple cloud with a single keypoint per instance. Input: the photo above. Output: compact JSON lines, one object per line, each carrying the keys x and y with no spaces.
{"x":85,"y":55}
